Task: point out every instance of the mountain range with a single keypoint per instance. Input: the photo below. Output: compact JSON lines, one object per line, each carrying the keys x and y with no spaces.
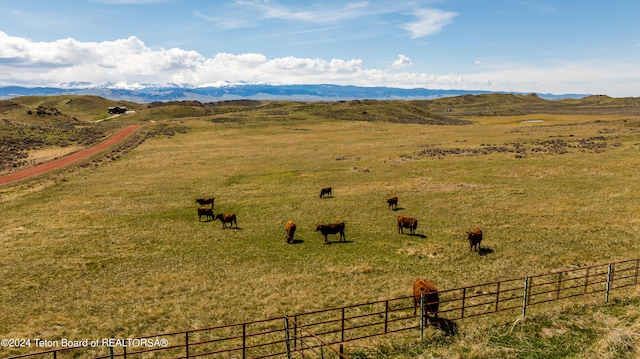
{"x":153,"y":93}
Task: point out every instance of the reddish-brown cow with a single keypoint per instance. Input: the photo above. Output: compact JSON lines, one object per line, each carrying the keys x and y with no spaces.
{"x":227,"y":218}
{"x":407,"y":222}
{"x":290,"y":228}
{"x":431,"y":297}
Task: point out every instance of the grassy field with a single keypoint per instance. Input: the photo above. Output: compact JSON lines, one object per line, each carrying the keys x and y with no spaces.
{"x":117,"y":249}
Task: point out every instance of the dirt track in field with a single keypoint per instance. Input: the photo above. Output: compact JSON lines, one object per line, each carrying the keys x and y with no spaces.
{"x":70,"y":159}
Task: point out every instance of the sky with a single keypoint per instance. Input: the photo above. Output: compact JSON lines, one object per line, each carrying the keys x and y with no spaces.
{"x":542,"y":46}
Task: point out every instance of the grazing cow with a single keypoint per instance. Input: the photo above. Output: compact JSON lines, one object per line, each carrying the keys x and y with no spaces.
{"x":326,"y":190}
{"x":290,"y":228}
{"x":203,"y":201}
{"x":227,"y":218}
{"x":431,"y":297}
{"x":407,"y":222}
{"x":332,"y":228}
{"x":204,"y":211}
{"x":393,"y":202}
{"x":474,"y":237}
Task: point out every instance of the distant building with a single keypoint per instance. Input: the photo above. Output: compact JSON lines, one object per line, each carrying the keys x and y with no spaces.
{"x":117,"y":109}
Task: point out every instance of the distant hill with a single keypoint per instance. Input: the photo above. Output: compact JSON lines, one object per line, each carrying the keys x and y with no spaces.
{"x":253,"y":92}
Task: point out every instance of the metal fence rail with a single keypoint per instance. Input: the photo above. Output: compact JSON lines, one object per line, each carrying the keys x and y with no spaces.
{"x":274,"y":337}
{"x":307,"y":344}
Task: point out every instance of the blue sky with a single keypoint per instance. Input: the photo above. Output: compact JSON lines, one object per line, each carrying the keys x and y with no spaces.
{"x":501,"y":45}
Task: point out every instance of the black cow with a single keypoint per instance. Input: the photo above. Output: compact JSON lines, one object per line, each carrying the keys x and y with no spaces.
{"x":332,"y":228}
{"x":474,"y":237}
{"x":326,"y":190}
{"x":206,"y":200}
{"x":393,"y":202}
{"x":204,"y":211}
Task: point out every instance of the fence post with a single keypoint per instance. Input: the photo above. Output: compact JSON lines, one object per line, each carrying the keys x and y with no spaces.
{"x":609,"y":281}
{"x":497,"y":296}
{"x":386,"y":315}
{"x":559,"y":285}
{"x":286,"y":335}
{"x":635,"y":281}
{"x":464,"y":296}
{"x":342,"y":337}
{"x":526,"y":296}
{"x":421,"y":316}
{"x":295,"y":332}
{"x":586,"y":281}
{"x":186,"y":343}
{"x":244,"y":340}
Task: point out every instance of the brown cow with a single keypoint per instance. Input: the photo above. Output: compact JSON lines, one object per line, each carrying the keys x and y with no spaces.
{"x":206,"y":200}
{"x":332,"y":228}
{"x":431,"y":297}
{"x":290,"y":228}
{"x":227,"y":218}
{"x":407,"y":222}
{"x":474,"y":237}
{"x":393,"y":202}
{"x":326,"y":190}
{"x":204,"y":211}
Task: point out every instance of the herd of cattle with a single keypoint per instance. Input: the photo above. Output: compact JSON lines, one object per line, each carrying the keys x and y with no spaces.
{"x":225,"y":218}
{"x":420,"y":286}
{"x":474,"y":236}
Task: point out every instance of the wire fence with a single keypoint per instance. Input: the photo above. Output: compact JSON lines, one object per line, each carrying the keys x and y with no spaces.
{"x":323,"y":333}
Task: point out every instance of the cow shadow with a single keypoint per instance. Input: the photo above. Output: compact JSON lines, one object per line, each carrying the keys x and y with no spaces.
{"x":417,"y":235}
{"x":296,"y":241}
{"x":397,"y":209}
{"x":337,"y":242}
{"x":483,"y":251}
{"x":449,"y":327}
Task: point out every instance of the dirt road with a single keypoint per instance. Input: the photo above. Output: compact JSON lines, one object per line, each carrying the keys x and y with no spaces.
{"x":70,"y":159}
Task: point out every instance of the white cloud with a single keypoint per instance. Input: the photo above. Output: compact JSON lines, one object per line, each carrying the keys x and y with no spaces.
{"x":589,"y":77}
{"x":329,"y":13}
{"x":402,"y":61}
{"x":429,"y":22}
{"x":251,"y":13}
{"x":129,"y":61}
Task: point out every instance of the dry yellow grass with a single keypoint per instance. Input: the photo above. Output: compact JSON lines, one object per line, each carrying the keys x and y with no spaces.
{"x":117,"y":250}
